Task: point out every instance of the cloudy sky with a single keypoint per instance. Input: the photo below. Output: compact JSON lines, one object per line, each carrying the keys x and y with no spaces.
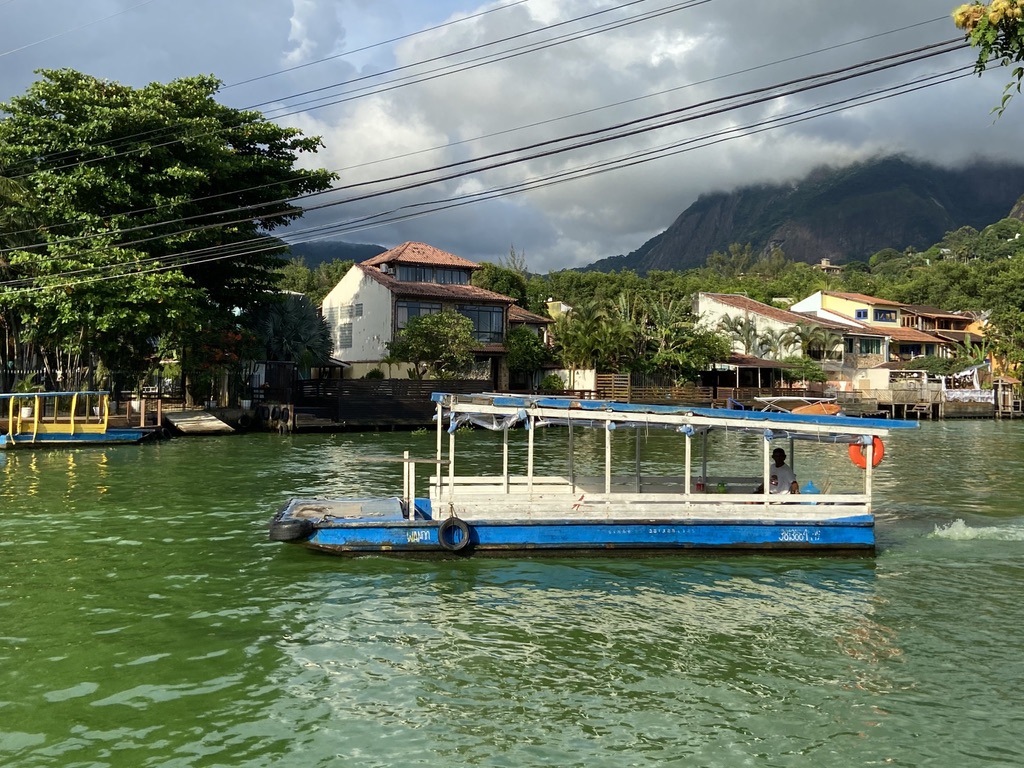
{"x":570,"y":130}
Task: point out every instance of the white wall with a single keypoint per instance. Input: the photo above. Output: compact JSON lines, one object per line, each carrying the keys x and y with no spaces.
{"x":711,"y":312}
{"x":811,"y":304}
{"x":372,"y":331}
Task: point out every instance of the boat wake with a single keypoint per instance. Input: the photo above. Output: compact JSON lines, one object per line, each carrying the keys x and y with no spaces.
{"x":958,"y":530}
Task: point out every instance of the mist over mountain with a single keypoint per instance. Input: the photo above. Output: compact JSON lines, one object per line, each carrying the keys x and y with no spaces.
{"x":840,"y":214}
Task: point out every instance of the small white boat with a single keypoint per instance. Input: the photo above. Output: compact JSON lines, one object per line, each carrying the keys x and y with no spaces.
{"x":558,"y":510}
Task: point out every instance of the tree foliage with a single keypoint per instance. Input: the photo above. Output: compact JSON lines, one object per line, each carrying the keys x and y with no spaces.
{"x":524,"y":350}
{"x":440,"y":344}
{"x":291,"y":330}
{"x":154,"y":208}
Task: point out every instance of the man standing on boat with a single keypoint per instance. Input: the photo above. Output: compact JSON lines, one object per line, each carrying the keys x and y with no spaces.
{"x":781,"y":478}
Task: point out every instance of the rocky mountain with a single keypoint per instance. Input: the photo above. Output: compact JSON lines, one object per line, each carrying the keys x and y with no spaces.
{"x":836,"y":213}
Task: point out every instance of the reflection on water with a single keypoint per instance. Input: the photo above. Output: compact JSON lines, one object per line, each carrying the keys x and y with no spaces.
{"x":146,"y":620}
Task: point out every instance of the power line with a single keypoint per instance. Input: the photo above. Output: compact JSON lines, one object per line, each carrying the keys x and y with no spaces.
{"x":225,"y":252}
{"x":443,"y":56}
{"x":511,"y":130}
{"x":706,"y":113}
{"x":157,"y":133}
{"x":371,"y":46}
{"x":548,"y":147}
{"x":75,"y":29}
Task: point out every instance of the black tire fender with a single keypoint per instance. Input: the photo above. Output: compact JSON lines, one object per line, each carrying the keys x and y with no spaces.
{"x":447,"y":536}
{"x":292,"y":529}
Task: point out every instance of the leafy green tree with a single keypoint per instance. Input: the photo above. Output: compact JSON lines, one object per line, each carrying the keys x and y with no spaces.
{"x":440,"y":344}
{"x":695,"y":353}
{"x":937,"y":366}
{"x":503,"y":280}
{"x":155,"y":206}
{"x":525,"y":352}
{"x":737,"y":261}
{"x":802,"y":369}
{"x":315,"y":284}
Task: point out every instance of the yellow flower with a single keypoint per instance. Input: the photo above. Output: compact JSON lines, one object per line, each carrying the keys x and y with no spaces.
{"x":961,"y":15}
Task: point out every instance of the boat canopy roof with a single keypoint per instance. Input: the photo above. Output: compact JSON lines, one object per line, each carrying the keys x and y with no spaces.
{"x":501,"y":411}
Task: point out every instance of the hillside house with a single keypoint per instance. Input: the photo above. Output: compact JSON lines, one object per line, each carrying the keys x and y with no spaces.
{"x":376,"y":298}
{"x":881,"y":330}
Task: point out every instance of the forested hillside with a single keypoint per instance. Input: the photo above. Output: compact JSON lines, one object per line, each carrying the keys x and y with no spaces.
{"x":842,"y":214}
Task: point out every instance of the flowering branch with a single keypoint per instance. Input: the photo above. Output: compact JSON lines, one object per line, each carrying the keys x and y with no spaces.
{"x":996,"y":29}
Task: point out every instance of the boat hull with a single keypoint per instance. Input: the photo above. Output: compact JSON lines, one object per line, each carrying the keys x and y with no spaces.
{"x":68,"y":440}
{"x":397,"y":534}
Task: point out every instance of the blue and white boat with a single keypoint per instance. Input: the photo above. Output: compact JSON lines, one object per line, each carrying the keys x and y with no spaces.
{"x":561,"y":510}
{"x":62,"y":419}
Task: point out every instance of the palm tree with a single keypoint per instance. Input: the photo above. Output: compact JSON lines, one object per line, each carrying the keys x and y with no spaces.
{"x":742,"y":329}
{"x":774,"y":343}
{"x":578,"y":333}
{"x":292,"y":331}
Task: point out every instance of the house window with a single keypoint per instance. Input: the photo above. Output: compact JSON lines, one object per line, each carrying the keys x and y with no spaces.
{"x":848,"y":345}
{"x":870,"y":347}
{"x":345,"y":336}
{"x":345,"y":312}
{"x":885,"y":315}
{"x":451,"y":276}
{"x":488,"y":322}
{"x":415,"y":273}
{"x":929,"y":349}
{"x":914,"y":350}
{"x":407,"y":310}
{"x":411,"y":273}
{"x":861,"y":314}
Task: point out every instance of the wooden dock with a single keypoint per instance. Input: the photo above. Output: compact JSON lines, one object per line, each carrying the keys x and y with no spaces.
{"x":196,"y":422}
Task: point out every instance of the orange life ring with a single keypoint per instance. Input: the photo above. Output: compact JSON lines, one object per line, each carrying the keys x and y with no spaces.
{"x":859,"y":456}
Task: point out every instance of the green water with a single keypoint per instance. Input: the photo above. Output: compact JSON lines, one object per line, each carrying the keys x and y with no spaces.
{"x":146,"y":621}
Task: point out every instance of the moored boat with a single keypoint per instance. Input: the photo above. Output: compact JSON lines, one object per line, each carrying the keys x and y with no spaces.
{"x":60,"y":419}
{"x":821,"y":406}
{"x":562,"y":510}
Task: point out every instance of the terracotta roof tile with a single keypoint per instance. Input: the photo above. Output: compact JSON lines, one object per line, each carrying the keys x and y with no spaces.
{"x":517,"y":314}
{"x":912,"y":335}
{"x":960,"y":337}
{"x":421,"y":253}
{"x":438,"y":291}
{"x":749,"y":305}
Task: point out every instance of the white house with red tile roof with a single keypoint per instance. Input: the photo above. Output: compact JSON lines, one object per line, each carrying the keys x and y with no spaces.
{"x":713,"y":308}
{"x":375,"y":299}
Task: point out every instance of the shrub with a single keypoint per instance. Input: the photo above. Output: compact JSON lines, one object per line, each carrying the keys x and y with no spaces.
{"x":552,"y":383}
{"x":374,"y":373}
